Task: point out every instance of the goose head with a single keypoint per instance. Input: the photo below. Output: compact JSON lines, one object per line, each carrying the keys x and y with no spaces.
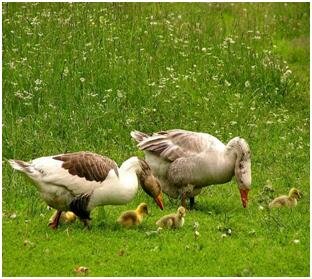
{"x":150,"y":183}
{"x":242,"y":167}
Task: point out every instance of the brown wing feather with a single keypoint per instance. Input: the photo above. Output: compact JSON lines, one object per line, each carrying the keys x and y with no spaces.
{"x":92,"y":167}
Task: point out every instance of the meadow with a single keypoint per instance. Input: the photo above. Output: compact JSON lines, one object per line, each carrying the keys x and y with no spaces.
{"x":81,"y":76}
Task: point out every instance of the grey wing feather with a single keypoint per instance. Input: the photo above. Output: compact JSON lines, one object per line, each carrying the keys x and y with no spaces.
{"x":174,"y":144}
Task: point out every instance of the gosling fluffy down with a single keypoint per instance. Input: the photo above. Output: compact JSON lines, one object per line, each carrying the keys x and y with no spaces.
{"x":286,"y":201}
{"x":66,"y":217}
{"x":172,"y":221}
{"x":133,"y":217}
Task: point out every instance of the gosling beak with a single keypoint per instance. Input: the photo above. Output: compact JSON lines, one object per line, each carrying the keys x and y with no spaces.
{"x":244,"y":196}
{"x":159,"y":201}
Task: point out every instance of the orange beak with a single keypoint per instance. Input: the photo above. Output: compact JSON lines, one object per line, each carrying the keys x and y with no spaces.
{"x":159,"y":201}
{"x":244,"y":196}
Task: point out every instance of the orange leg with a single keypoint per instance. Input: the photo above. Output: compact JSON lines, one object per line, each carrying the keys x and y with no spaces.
{"x":55,"y":221}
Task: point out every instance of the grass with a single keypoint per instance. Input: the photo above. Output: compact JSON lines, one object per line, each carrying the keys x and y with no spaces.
{"x":82,"y":76}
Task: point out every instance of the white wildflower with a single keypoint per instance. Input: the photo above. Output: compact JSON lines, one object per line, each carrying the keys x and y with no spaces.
{"x":38,"y":81}
{"x":296,"y":241}
{"x":288,"y":73}
{"x":65,"y":71}
{"x":204,"y":49}
{"x":119,"y":94}
{"x":196,"y":226}
{"x":13,"y":215}
{"x":82,"y":79}
{"x":228,"y":84}
{"x":196,"y":234}
{"x":228,"y":40}
{"x":92,"y":94}
{"x":247,"y":83}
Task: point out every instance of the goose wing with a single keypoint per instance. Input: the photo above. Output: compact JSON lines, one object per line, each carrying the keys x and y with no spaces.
{"x":91,"y":166}
{"x":174,"y":144}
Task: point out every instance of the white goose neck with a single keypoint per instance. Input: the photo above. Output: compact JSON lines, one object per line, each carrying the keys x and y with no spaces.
{"x":131,"y":165}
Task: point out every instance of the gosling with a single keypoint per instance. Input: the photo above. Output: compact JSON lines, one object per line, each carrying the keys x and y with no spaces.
{"x":132,"y":218}
{"x":66,"y":217}
{"x":287,"y":201}
{"x":172,"y":221}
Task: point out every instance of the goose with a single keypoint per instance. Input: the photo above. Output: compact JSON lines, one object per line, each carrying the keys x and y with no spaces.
{"x":287,"y":201}
{"x":185,"y":161}
{"x":81,"y":181}
{"x":132,"y":218}
{"x":172,"y":221}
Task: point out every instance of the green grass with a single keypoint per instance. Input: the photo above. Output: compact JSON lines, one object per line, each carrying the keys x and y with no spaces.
{"x":82,"y":76}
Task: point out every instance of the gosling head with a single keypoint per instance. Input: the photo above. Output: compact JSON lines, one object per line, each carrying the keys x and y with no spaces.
{"x":150,"y":183}
{"x":142,"y":209}
{"x":294,"y":193}
{"x":181,"y":211}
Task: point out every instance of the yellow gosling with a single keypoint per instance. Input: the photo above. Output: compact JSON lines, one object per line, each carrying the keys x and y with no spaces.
{"x":66,"y":217}
{"x":286,"y":201}
{"x":132,"y":218}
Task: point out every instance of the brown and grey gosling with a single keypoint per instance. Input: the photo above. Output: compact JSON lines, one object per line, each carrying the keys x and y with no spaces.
{"x":132,"y":218}
{"x":66,"y":217}
{"x":287,"y":201}
{"x":172,"y":221}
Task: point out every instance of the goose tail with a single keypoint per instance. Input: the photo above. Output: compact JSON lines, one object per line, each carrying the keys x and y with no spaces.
{"x":138,"y":136}
{"x":20,"y":166}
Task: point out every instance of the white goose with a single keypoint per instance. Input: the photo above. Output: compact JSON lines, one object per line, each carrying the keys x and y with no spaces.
{"x":185,"y":161}
{"x":81,"y":181}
